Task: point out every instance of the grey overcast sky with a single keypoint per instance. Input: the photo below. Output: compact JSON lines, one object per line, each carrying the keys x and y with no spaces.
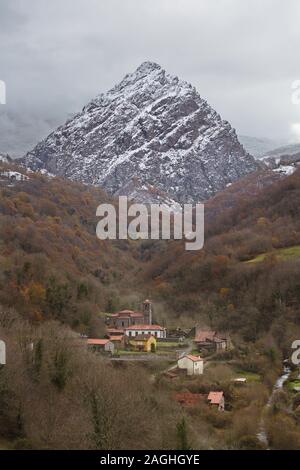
{"x":242,"y":55}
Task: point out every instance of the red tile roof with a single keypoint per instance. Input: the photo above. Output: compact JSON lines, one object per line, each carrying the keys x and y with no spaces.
{"x":204,"y":335}
{"x":215,"y":397}
{"x":193,"y":358}
{"x":97,"y":342}
{"x":116,"y":338}
{"x":127,"y":314}
{"x":145,"y":327}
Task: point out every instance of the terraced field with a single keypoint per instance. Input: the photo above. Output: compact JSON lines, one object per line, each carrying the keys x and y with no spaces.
{"x":282,"y":254}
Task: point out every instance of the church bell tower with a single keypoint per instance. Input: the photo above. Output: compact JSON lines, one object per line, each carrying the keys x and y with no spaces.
{"x":147,"y":311}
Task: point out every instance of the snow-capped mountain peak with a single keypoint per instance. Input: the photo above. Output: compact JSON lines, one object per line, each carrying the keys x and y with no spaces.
{"x":153,"y":126}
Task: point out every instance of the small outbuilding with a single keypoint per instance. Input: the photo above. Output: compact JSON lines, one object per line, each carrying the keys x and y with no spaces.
{"x":118,"y":341}
{"x":240,"y":380}
{"x":216,"y":399}
{"x":210,"y":340}
{"x":101,"y":345}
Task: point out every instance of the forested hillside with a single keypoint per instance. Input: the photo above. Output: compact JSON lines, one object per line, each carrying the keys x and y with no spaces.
{"x":52,"y":266}
{"x":246,"y":279}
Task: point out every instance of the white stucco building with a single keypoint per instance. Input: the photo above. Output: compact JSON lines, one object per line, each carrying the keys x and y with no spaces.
{"x":192,"y":364}
{"x":155,"y":330}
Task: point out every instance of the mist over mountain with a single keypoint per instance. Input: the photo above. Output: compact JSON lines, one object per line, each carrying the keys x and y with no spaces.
{"x":259,"y":146}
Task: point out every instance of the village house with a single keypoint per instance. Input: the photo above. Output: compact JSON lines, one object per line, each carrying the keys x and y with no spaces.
{"x":192,"y":364}
{"x":216,"y":399}
{"x":126,"y":318}
{"x":155,"y":330}
{"x":143,"y":342}
{"x":101,"y":345}
{"x":210,"y":340}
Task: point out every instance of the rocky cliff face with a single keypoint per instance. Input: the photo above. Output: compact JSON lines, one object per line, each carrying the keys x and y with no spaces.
{"x":151,"y":126}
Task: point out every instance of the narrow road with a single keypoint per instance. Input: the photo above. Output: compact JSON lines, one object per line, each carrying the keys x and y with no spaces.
{"x":156,"y":357}
{"x":142,"y":357}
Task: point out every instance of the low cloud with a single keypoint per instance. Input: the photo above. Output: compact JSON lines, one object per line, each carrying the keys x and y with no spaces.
{"x":55,"y":56}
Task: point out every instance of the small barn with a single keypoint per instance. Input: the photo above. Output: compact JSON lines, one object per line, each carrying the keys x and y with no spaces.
{"x":210,"y":340}
{"x":118,"y":341}
{"x":101,"y":345}
{"x":216,"y":399}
